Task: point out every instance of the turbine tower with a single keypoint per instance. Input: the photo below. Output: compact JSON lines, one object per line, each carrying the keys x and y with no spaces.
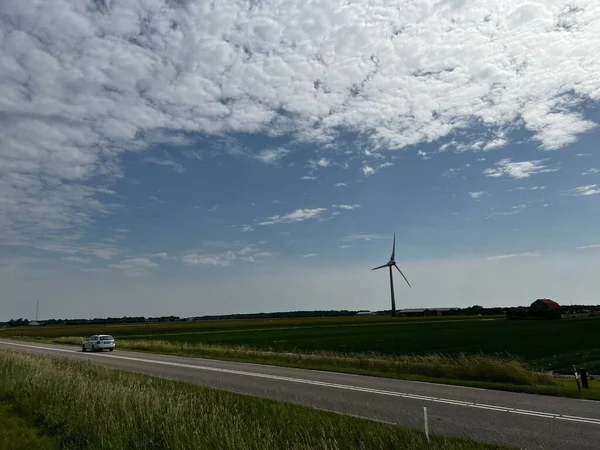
{"x":392,"y":263}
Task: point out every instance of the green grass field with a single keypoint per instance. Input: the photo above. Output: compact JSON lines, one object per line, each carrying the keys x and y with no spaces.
{"x":546,"y":345}
{"x":120,"y":410}
{"x":17,"y":433}
{"x":550,"y":345}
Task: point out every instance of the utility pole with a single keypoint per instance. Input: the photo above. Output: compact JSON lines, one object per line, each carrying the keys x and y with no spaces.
{"x":37,"y":310}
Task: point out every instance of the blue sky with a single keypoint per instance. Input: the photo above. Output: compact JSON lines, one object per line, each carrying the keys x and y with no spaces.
{"x":234,"y":160}
{"x":437,"y":213}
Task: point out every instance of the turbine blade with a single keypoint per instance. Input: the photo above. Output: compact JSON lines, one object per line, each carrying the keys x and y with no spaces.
{"x":402,"y":275}
{"x":380,"y":267}
{"x":394,"y":249}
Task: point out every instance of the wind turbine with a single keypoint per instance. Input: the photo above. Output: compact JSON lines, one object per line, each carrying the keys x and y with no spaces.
{"x":392,"y":263}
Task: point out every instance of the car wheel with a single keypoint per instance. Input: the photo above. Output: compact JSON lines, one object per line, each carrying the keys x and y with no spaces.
{"x":110,"y":349}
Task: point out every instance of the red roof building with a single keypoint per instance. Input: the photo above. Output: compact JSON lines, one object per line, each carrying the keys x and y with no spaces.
{"x":542,"y":308}
{"x":545,"y":303}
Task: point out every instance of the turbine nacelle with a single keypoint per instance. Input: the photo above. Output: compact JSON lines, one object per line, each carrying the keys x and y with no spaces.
{"x":392,"y":262}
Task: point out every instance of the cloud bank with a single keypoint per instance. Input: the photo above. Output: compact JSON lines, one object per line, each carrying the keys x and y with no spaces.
{"x":84,"y":82}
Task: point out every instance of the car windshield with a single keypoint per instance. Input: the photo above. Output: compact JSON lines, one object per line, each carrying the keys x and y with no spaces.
{"x":106,"y":338}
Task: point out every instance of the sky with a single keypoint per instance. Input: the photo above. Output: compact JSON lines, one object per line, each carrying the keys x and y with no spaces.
{"x":187,"y":157}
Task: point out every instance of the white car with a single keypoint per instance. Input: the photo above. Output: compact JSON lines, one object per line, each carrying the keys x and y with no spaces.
{"x":99,"y":342}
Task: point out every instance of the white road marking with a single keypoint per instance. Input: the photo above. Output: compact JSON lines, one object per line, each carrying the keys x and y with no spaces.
{"x":335,"y":386}
{"x":490,"y":407}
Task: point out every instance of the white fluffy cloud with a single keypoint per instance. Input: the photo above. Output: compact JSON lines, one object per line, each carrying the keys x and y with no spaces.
{"x":362,"y":237}
{"x":514,"y":210}
{"x":514,"y":255}
{"x":320,"y":163}
{"x":346,"y":206}
{"x":167,"y":163}
{"x":135,"y":266}
{"x":218,"y":259}
{"x":453,"y":171}
{"x":423,"y":155}
{"x":247,"y":253}
{"x":522,"y":169}
{"x":76,"y":259}
{"x":368,"y":170}
{"x":83,"y":82}
{"x":272,"y":155}
{"x":591,"y":171}
{"x":496,"y":143}
{"x":588,"y":247}
{"x":531,"y":188}
{"x":298,"y":215}
{"x":161,"y":255}
{"x":590,"y":189}
{"x":477,"y":195}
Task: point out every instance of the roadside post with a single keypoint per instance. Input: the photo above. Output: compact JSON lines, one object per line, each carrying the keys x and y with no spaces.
{"x":426,"y":422}
{"x":577,"y":379}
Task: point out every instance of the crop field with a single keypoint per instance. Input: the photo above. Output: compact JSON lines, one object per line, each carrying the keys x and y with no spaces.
{"x":545,"y":345}
{"x":162,"y":328}
{"x":550,"y":345}
{"x":143,"y":412}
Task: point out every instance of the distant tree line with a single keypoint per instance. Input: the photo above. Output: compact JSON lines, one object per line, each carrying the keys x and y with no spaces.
{"x":280,"y":315}
{"x":17,"y":323}
{"x":113,"y":320}
{"x":478,"y":309}
{"x":99,"y":320}
{"x":471,"y":310}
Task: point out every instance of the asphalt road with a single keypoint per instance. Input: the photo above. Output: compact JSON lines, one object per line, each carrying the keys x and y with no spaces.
{"x":521,"y":420}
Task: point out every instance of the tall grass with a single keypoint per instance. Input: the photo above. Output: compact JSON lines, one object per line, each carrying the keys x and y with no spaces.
{"x":91,"y":407}
{"x":470,"y":367}
{"x":16,"y":433}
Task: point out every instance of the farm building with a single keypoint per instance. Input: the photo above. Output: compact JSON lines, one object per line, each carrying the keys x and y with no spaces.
{"x":544,"y":304}
{"x":419,"y":312}
{"x":412,"y":312}
{"x":542,"y":308}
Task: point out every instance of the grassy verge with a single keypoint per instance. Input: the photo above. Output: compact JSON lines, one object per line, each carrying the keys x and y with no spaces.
{"x":16,"y":433}
{"x":120,"y":410}
{"x":493,"y":372}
